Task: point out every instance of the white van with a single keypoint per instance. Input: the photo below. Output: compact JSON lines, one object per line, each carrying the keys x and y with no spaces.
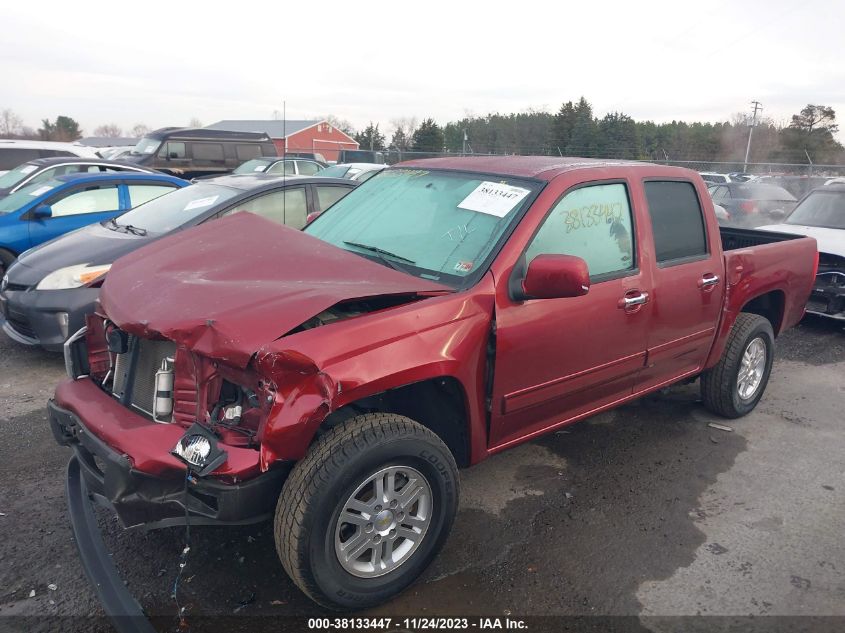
{"x":13,"y":152}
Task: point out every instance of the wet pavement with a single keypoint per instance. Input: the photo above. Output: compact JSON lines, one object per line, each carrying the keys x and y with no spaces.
{"x":645,"y":512}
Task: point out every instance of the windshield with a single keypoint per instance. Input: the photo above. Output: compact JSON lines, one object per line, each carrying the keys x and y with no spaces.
{"x":335,"y":171}
{"x":821,"y":208}
{"x":13,"y":177}
{"x":145,"y":146}
{"x":26,"y":195}
{"x":175,"y":209}
{"x":252,"y":166}
{"x":437,"y":225}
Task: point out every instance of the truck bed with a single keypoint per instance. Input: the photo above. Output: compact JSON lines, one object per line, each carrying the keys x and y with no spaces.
{"x":733,"y":239}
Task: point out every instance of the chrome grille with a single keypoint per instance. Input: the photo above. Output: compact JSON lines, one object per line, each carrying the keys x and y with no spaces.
{"x":134,"y":372}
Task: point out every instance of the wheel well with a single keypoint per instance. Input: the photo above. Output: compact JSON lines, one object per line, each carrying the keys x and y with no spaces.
{"x":439,"y":404}
{"x":769,"y":306}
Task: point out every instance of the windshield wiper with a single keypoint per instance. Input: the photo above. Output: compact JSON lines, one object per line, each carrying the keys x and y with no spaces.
{"x":379,"y":251}
{"x":112,"y":224}
{"x":135,"y":230}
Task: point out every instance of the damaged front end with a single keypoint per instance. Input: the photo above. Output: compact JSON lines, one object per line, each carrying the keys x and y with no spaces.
{"x":175,"y":440}
{"x":828,"y":296}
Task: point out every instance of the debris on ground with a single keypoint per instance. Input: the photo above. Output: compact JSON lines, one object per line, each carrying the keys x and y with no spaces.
{"x":245,"y":602}
{"x":52,"y":587}
{"x":278,"y":602}
{"x":32,"y":593}
{"x":721,"y":427}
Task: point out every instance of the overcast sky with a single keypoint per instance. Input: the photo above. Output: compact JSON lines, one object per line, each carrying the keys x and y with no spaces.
{"x":163,"y":63}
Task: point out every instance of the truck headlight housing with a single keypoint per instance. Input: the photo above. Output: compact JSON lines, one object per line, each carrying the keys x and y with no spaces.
{"x":72,"y":277}
{"x":199,"y":449}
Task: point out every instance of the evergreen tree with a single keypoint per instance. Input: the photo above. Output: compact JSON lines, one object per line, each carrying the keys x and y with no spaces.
{"x":428,"y":137}
{"x":583,"y":139}
{"x":370,"y":138}
{"x":64,"y":129}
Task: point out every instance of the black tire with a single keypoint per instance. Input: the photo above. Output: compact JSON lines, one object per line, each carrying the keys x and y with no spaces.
{"x":719,"y":389}
{"x":318,"y":487}
{"x":6,"y":259}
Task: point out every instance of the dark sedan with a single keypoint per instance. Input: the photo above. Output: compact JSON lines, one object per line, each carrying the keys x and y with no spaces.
{"x":51,"y":288}
{"x":43,"y":169}
{"x":749,"y":204}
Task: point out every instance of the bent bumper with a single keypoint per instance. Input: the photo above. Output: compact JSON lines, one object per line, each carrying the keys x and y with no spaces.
{"x":120,"y":606}
{"x":45,"y":317}
{"x":142,"y":500}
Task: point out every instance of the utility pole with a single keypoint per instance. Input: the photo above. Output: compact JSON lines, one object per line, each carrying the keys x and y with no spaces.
{"x":757,"y":106}
{"x":464,"y":145}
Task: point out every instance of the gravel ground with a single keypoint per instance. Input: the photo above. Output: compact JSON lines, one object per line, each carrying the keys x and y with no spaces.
{"x":644,"y":512}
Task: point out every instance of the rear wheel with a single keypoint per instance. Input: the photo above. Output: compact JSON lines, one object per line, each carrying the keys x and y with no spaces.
{"x":365,"y":512}
{"x":735,"y":385}
{"x":6,"y":259}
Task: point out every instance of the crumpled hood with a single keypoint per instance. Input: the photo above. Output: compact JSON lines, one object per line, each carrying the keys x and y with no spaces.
{"x":228,"y":287}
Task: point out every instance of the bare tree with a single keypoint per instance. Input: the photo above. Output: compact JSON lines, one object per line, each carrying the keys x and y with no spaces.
{"x":341,"y":124}
{"x":140,"y":129}
{"x":403,"y":132}
{"x":195,"y":122}
{"x":10,"y":123}
{"x":110,"y":130}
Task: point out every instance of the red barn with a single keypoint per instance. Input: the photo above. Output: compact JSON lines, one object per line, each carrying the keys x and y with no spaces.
{"x":295,"y":136}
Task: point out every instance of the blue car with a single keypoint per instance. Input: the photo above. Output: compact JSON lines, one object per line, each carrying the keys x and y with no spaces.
{"x":47,"y":209}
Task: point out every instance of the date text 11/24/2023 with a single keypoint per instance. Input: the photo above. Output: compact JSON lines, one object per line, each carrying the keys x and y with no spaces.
{"x":417,"y":624}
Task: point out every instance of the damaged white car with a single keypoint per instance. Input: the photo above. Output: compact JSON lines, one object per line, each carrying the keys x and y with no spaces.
{"x":821,"y":214}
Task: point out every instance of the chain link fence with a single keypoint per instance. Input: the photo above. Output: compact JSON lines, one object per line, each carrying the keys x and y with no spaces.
{"x":797,"y":178}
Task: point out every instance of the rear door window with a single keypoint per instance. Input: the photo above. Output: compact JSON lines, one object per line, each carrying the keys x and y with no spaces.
{"x":676,"y":220}
{"x":208,"y":152}
{"x":328,"y":195}
{"x":593,"y":223}
{"x":139,"y":194}
{"x":285,"y":207}
{"x":307,"y":168}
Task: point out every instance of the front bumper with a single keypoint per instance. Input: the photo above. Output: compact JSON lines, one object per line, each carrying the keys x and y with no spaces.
{"x":143,"y":500}
{"x":828,"y":296}
{"x":45,"y":317}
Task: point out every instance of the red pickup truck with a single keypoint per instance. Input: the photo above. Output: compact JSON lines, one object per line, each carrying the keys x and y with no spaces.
{"x":335,"y":379}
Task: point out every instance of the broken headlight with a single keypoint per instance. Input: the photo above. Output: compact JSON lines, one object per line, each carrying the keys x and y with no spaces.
{"x":198,"y":448}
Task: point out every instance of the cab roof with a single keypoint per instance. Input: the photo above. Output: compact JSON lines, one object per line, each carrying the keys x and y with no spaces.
{"x":539,"y":167}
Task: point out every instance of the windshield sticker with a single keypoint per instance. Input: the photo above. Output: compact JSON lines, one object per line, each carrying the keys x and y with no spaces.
{"x":201,"y":202}
{"x":494,"y":199}
{"x":29,"y":169}
{"x":260,"y":168}
{"x":463,"y":267}
{"x":150,"y":149}
{"x":41,"y":191}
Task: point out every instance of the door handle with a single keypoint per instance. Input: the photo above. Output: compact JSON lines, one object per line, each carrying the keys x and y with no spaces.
{"x":633,"y":301}
{"x":708,"y":280}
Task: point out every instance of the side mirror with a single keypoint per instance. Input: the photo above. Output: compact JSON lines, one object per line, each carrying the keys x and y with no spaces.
{"x":555,"y":277}
{"x":42,"y":211}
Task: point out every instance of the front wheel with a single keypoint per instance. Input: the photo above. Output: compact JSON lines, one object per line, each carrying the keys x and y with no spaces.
{"x":735,"y":385}
{"x":365,"y":512}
